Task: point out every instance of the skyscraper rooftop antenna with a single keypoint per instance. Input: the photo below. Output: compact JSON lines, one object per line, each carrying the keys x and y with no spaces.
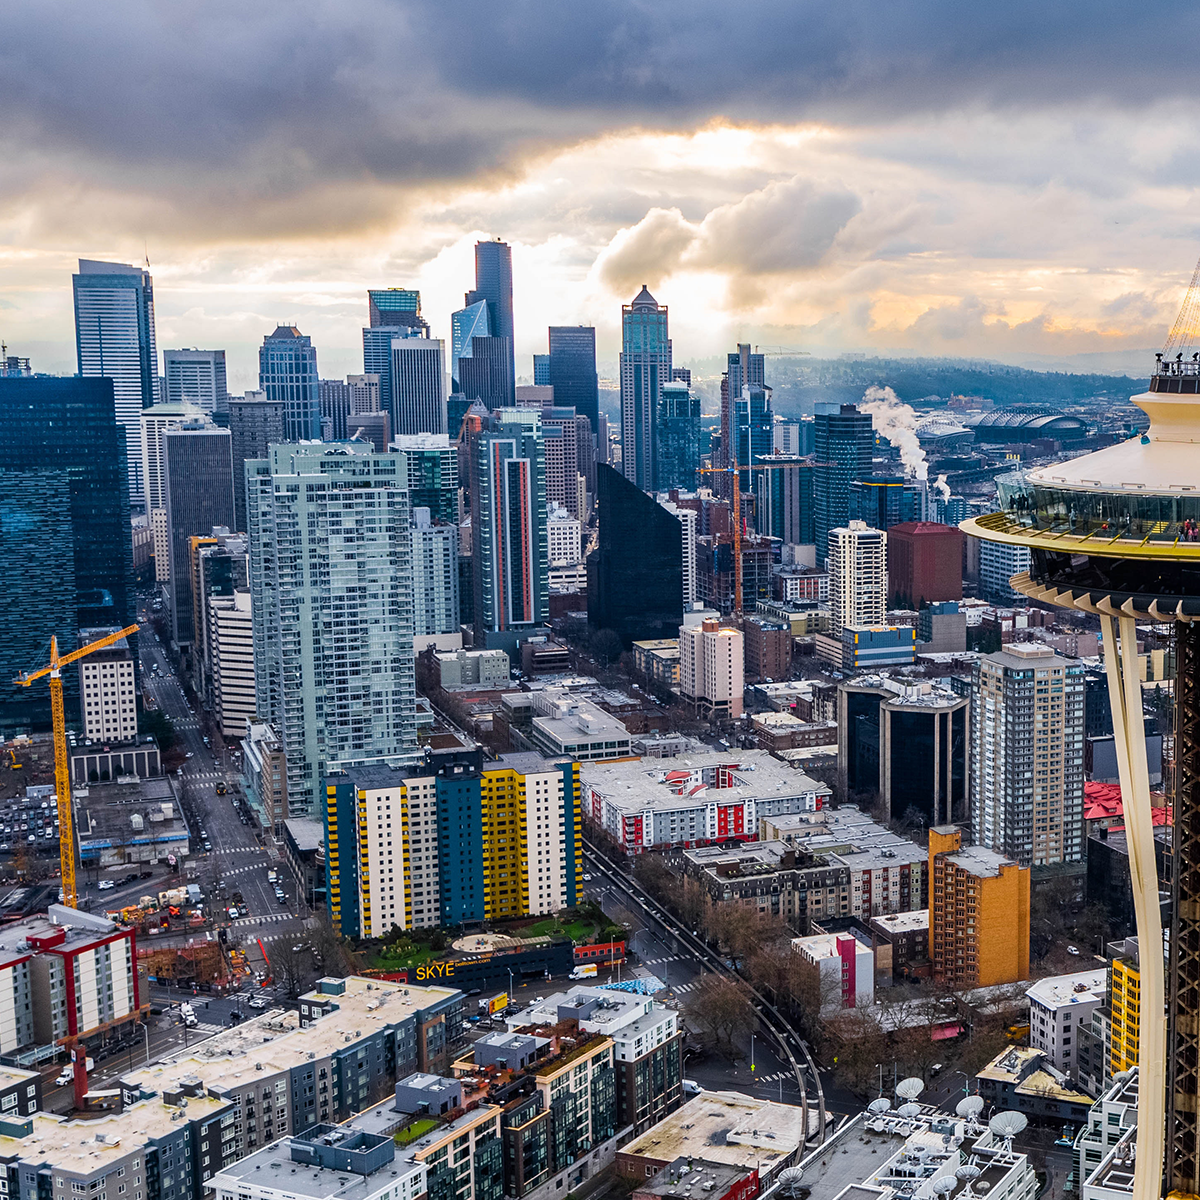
{"x":1185,"y":333}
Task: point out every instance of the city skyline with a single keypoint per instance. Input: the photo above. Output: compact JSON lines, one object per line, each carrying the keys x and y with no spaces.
{"x":1026,"y":206}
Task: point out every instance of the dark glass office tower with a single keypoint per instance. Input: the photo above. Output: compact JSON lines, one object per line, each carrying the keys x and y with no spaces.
{"x":493,"y":283}
{"x":64,"y":529}
{"x":198,"y":469}
{"x":678,"y":438}
{"x":487,"y":375}
{"x":635,"y":574}
{"x":287,"y":371}
{"x":573,"y":370}
{"x":885,"y":500}
{"x":254,"y":424}
{"x":541,"y":370}
{"x":742,"y":369}
{"x":465,"y":325}
{"x":114,"y":339}
{"x":844,"y":441}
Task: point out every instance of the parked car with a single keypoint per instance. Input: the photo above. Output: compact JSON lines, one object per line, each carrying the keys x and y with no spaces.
{"x":106,"y":885}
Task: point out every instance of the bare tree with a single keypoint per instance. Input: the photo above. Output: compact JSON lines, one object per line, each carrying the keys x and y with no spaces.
{"x":289,"y":966}
{"x":720,"y":1011}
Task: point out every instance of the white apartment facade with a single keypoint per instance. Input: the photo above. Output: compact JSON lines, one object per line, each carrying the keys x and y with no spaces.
{"x":712,"y":668}
{"x":435,"y":576}
{"x":233,"y":662}
{"x":687,"y":520}
{"x":858,"y":580}
{"x":1058,"y":1007}
{"x":108,"y":693}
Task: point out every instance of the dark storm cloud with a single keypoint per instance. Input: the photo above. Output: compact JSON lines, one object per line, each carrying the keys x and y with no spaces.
{"x":242,"y":114}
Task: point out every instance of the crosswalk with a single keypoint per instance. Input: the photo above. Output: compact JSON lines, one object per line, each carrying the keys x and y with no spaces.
{"x":257,"y":850}
{"x":654,"y":962}
{"x":681,"y":989}
{"x":268,"y":919}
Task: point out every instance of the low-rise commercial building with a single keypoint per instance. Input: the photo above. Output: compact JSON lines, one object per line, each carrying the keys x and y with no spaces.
{"x":686,"y":1176}
{"x":1023,"y":1079}
{"x":720,"y":1127}
{"x":472,"y":668}
{"x":777,"y":731}
{"x":902,"y":946}
{"x":569,"y":726}
{"x":264,"y":773}
{"x":131,"y":822}
{"x":768,"y":647}
{"x":711,"y":796}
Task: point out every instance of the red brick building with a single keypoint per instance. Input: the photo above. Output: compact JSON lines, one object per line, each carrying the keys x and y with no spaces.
{"x":925,"y":564}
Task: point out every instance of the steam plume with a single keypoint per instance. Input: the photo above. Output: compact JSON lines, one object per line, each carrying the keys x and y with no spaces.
{"x":897,"y":422}
{"x":943,"y":487}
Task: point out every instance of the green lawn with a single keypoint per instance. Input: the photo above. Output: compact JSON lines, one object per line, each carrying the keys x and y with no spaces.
{"x":578,"y":930}
{"x":396,"y":962}
{"x":415,"y":1130}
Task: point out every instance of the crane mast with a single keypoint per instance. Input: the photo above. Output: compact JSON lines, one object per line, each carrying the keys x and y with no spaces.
{"x":62,"y":771}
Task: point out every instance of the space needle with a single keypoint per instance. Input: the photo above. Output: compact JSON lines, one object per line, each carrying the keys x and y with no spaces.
{"x":1117,"y":533}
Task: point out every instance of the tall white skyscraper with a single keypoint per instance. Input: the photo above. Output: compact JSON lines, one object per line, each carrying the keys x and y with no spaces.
{"x":196,"y":377}
{"x":1027,"y":755}
{"x":418,"y":386}
{"x":857,"y":577}
{"x":114,"y":339}
{"x":332,"y":608}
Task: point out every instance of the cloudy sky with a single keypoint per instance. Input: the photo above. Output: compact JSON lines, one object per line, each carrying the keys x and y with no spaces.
{"x":1018,"y":180}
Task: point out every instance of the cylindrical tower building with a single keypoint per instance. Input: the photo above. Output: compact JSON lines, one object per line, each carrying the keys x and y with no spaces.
{"x":1117,"y":533}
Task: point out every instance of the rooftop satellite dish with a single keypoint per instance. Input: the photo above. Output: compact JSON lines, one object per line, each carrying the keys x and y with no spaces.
{"x":969,"y":1107}
{"x":789,"y":1179}
{"x":910,"y":1089}
{"x":967,"y":1172}
{"x":909,"y":1111}
{"x":1007,"y":1125}
{"x":880,"y":1106}
{"x":943,"y":1185}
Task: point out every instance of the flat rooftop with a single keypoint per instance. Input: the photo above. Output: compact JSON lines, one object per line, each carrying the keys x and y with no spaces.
{"x":645,"y":785}
{"x":690,"y":1176}
{"x":727,"y":1128}
{"x":81,"y":930}
{"x":275,"y":1042}
{"x":274,"y":1167}
{"x":980,"y":861}
{"x":1060,"y":990}
{"x":84,"y":1146}
{"x":907,"y":922}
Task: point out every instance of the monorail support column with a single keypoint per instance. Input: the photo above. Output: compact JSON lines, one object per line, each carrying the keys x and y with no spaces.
{"x":1183,"y":1092}
{"x":1125,"y":693}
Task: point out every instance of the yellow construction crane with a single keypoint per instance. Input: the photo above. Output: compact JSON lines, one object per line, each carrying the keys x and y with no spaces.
{"x":62,"y":774}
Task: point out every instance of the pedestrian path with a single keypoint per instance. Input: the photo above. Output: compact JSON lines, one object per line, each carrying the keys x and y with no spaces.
{"x":241,"y":850}
{"x":681,"y":989}
{"x":654,"y":962}
{"x":268,"y":919}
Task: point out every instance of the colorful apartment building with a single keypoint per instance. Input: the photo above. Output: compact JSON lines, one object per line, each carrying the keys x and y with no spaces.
{"x":978,"y":913}
{"x":450,"y":842}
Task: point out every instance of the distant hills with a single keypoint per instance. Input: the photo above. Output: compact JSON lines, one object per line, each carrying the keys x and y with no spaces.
{"x":800,"y":383}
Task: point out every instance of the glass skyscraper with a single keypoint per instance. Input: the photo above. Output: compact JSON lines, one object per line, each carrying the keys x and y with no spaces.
{"x":465,"y":324}
{"x":331,"y":587}
{"x":635,"y":574}
{"x":67,"y":553}
{"x":396,"y":308}
{"x":287,"y":371}
{"x":573,"y":370}
{"x":198,"y":482}
{"x":645,"y":367}
{"x":844,"y":440}
{"x":511,"y":558}
{"x":196,"y":377}
{"x":487,"y":374}
{"x":678,"y":438}
{"x":417,"y":403}
{"x":114,"y":339}
{"x":752,"y":428}
{"x":493,"y":284}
